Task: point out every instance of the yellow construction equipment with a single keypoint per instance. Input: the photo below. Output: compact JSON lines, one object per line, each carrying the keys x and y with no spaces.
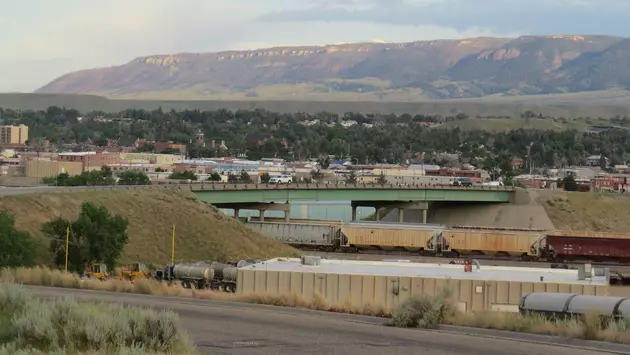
{"x":135,"y":271}
{"x":97,"y":271}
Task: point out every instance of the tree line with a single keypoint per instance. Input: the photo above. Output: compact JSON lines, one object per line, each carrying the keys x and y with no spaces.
{"x":375,"y":139}
{"x":96,"y":236}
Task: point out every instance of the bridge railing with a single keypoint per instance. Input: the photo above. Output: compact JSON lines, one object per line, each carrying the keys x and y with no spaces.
{"x":217,"y":186}
{"x":206,"y":186}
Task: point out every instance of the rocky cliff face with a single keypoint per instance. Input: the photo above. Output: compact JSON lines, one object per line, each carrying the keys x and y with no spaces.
{"x":473,"y":67}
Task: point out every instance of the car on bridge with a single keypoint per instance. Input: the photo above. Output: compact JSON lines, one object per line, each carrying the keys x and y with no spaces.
{"x":281,"y":179}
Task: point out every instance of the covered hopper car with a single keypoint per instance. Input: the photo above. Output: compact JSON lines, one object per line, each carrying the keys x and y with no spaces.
{"x":301,"y":235}
{"x":392,"y":237}
{"x":437,"y":240}
{"x":525,"y":245}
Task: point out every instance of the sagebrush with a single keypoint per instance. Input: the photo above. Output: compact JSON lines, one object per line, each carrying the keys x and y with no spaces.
{"x":64,"y":326}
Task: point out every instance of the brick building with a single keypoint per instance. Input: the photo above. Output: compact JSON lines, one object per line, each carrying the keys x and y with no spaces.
{"x":90,"y":160}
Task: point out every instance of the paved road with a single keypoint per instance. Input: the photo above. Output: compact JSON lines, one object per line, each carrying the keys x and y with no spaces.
{"x":232,"y":328}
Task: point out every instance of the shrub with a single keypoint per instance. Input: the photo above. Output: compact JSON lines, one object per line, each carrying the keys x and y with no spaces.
{"x":65,"y":326}
{"x":423,"y":311}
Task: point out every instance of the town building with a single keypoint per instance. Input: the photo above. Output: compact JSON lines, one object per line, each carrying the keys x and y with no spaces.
{"x":40,"y":168}
{"x":90,"y":160}
{"x":13,"y":135}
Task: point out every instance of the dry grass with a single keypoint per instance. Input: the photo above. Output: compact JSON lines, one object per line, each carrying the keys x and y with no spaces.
{"x":415,"y":312}
{"x":432,"y":311}
{"x":64,"y":326}
{"x":202,"y":232}
{"x":589,"y":327}
{"x":55,"y":278}
{"x":599,"y":212}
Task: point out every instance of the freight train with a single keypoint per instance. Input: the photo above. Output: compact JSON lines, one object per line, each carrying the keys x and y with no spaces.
{"x":204,"y":275}
{"x":437,"y":240}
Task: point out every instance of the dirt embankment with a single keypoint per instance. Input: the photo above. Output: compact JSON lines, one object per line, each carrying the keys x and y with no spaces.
{"x":524,"y":212}
{"x":598,"y":212}
{"x":201,"y":231}
{"x":544,"y":209}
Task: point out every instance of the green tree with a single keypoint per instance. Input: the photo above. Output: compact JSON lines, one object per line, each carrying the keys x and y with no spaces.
{"x":569,"y":183}
{"x":245,"y":178}
{"x":382,"y":180}
{"x":232,"y":179}
{"x":17,"y":248}
{"x":95,"y":237}
{"x":324,"y":163}
{"x":133,"y":178}
{"x":214,"y":176}
{"x":264,"y":178}
{"x":183,"y":175}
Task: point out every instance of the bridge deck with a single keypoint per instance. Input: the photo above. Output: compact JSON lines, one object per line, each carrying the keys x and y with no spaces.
{"x":243,"y":193}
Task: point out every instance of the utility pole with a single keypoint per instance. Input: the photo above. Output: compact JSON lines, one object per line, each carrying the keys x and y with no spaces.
{"x":173,"y":247}
{"x":67,"y":242}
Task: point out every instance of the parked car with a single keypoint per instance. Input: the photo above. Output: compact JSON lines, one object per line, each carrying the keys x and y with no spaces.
{"x":463,"y":182}
{"x":281,"y":179}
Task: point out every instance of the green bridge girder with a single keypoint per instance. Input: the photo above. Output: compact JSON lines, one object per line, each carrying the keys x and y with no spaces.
{"x":281,"y":194}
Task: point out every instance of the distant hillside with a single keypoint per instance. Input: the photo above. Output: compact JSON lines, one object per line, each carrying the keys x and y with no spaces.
{"x":603,"y":104}
{"x":202,"y":232}
{"x":427,"y":70}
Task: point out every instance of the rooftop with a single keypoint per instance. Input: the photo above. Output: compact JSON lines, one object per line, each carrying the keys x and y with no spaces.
{"x":408,"y":269}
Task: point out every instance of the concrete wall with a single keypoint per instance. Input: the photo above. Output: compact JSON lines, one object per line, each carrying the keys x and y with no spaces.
{"x":359,"y":291}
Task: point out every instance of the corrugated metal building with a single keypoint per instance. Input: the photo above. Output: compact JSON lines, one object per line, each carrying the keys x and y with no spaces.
{"x":358,"y":284}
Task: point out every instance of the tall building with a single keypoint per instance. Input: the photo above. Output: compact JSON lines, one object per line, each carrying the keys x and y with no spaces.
{"x":13,"y":134}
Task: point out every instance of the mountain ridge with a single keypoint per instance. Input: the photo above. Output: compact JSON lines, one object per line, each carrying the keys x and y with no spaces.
{"x":411,"y":71}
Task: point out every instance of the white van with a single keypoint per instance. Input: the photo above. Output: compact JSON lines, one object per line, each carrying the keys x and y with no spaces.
{"x":281,"y":179}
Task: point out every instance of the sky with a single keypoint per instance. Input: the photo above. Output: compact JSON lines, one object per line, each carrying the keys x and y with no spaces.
{"x":43,"y":39}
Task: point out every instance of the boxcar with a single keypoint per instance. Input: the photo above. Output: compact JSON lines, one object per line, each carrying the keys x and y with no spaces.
{"x":526,"y":245}
{"x":390,"y":237}
{"x":591,"y":249}
{"x":301,"y":235}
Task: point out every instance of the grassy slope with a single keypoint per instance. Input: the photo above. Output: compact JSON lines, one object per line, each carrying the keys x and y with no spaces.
{"x":202,"y":232}
{"x":587,"y":211}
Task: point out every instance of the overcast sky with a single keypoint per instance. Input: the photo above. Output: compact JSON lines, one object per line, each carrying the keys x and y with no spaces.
{"x":42,"y":39}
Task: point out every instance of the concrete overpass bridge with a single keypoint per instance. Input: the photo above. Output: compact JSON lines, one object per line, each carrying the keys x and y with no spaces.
{"x":271,"y":197}
{"x":264,"y":197}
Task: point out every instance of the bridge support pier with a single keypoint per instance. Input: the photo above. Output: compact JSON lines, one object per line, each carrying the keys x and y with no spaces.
{"x":261,"y":207}
{"x":400,"y":206}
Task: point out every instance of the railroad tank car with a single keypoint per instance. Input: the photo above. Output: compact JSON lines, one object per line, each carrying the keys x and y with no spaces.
{"x":302,"y":235}
{"x":573,"y":304}
{"x":560,"y":248}
{"x":390,"y":236}
{"x":524,"y":244}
